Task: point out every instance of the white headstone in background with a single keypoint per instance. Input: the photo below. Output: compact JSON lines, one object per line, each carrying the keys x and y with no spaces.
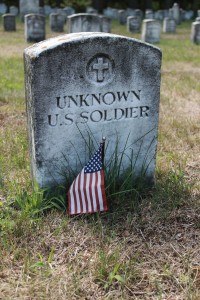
{"x":34,"y":28}
{"x":9,"y":22}
{"x":169,"y":25}
{"x":151,"y":30}
{"x":122,"y":16}
{"x":28,"y":7}
{"x":69,"y":11}
{"x":47,"y":10}
{"x":198,"y":13}
{"x":195,"y":33}
{"x":149,"y":14}
{"x":13,"y":10}
{"x":83,"y":23}
{"x":91,"y":10}
{"x":176,"y":12}
{"x":133,"y":24}
{"x":105,"y":24}
{"x":95,"y":84}
{"x":57,"y":22}
{"x":3,"y":9}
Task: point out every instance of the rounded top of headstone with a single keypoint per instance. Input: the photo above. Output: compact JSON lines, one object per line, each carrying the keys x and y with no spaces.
{"x":46,"y":45}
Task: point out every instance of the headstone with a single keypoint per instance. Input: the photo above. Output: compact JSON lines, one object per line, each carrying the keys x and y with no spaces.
{"x":122,"y":16}
{"x":130,"y":12}
{"x":83,"y":23}
{"x":111,"y":13}
{"x":9,"y":22}
{"x":41,"y":10}
{"x":198,"y":13}
{"x":139,"y":13}
{"x":133,"y":24}
{"x":166,"y":13}
{"x":34,"y":28}
{"x":3,"y":9}
{"x":57,"y":22}
{"x":14,"y":10}
{"x":151,"y":31}
{"x":176,"y":13}
{"x":91,"y":10}
{"x":95,"y":84}
{"x":189,"y":14}
{"x":169,"y":25}
{"x":105,"y":24}
{"x":171,"y":14}
{"x":47,"y":10}
{"x":149,"y":14}
{"x":69,"y":11}
{"x":195,"y":33}
{"x":197,"y":19}
{"x":28,"y":7}
{"x":159,"y":15}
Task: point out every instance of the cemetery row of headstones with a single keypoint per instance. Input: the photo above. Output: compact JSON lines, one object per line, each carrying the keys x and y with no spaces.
{"x":92,"y":22}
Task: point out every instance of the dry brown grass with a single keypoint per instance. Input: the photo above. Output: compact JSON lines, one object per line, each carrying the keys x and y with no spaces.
{"x":156,"y":243}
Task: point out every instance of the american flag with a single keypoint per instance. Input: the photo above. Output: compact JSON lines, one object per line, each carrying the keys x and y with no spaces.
{"x":87,"y":192}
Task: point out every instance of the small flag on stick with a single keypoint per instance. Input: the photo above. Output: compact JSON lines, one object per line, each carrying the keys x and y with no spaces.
{"x":87,"y":192}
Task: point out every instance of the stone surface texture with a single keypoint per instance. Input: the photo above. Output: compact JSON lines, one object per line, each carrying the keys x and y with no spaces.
{"x":195,"y":33}
{"x":34,"y":28}
{"x":85,"y":86}
{"x":84,"y":23}
{"x":57,"y":22}
{"x":133,"y":24}
{"x":169,"y":25}
{"x":28,"y":7}
{"x":151,"y":30}
{"x":9,"y":22}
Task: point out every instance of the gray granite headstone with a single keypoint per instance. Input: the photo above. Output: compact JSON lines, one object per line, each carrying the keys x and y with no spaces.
{"x":9,"y":22}
{"x":149,"y":14}
{"x":91,"y":84}
{"x":69,"y":11}
{"x":122,"y":16}
{"x":3,"y":8}
{"x":91,"y":10}
{"x":28,"y":7}
{"x":34,"y":28}
{"x":151,"y":30}
{"x":189,"y":14}
{"x":106,"y":25}
{"x":169,"y":25}
{"x":14,"y":10}
{"x":57,"y":22}
{"x":159,"y":15}
{"x":84,"y":23}
{"x":195,"y":33}
{"x":176,"y":13}
{"x":198,"y":13}
{"x":133,"y":24}
{"x":47,"y":10}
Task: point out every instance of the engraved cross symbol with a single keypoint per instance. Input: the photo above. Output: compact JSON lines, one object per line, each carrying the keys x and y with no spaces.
{"x":100,"y":67}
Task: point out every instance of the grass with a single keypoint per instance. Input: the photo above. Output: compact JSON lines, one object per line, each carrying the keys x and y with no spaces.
{"x":147,"y":245}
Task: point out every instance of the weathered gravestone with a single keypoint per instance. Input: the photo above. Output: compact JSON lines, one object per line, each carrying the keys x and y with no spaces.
{"x":9,"y":22}
{"x":151,"y":31}
{"x":105,"y":24}
{"x":34,"y":28}
{"x":69,"y":11}
{"x":13,"y":10}
{"x":47,"y":10}
{"x":197,"y":19}
{"x":91,"y":83}
{"x":84,"y":23}
{"x":176,"y":13}
{"x":169,"y":25}
{"x":122,"y":15}
{"x":133,"y":24}
{"x":91,"y":10}
{"x":3,"y":8}
{"x":198,"y":13}
{"x":57,"y":22}
{"x":195,"y":33}
{"x":149,"y":14}
{"x":28,"y":7}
